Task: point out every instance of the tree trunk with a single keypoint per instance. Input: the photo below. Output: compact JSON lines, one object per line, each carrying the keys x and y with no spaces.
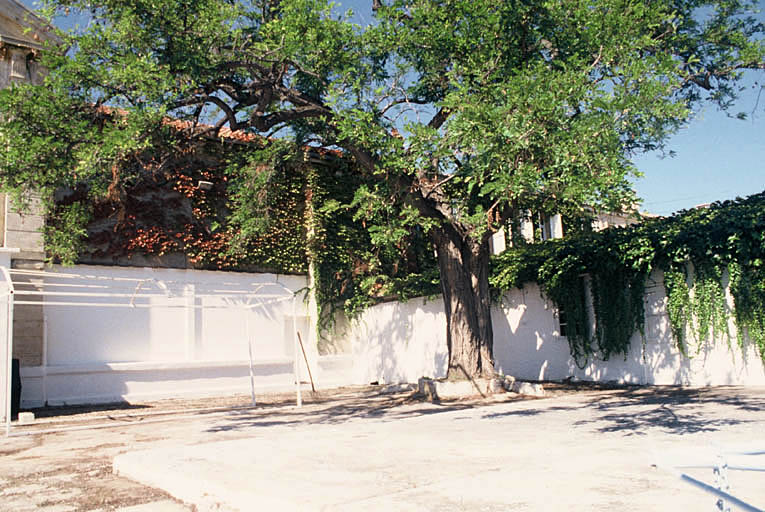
{"x":464,"y":269}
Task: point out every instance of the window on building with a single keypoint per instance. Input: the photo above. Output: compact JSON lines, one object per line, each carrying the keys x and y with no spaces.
{"x":562,"y":322}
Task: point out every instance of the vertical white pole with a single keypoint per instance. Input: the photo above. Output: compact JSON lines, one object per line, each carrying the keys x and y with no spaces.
{"x":247,"y":312}
{"x":9,"y":355}
{"x":296,"y":348}
{"x":190,"y":347}
{"x":44,"y":347}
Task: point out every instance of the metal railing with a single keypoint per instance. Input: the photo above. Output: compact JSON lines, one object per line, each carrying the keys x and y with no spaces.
{"x":720,"y":468}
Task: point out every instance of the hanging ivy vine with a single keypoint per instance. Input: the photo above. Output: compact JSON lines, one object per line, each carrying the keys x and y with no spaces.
{"x":351,"y":272}
{"x":701,"y":252}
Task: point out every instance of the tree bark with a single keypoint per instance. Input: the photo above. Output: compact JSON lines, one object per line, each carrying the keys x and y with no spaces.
{"x":464,"y":268}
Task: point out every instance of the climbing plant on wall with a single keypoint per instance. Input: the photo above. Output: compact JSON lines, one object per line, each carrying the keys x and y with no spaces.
{"x":351,"y":270}
{"x":701,"y":252}
{"x":153,"y":205}
{"x":267,"y":206}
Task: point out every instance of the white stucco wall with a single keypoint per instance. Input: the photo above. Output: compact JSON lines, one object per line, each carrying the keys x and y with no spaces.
{"x":100,"y":354}
{"x":400,"y":342}
{"x":528,"y":346}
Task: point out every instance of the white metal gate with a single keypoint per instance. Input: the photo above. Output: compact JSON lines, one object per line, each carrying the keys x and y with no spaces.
{"x":264,"y":305}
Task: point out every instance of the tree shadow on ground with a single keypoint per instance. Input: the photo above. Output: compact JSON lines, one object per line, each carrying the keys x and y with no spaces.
{"x":529,"y":412}
{"x":674,"y":410}
{"x":389,"y":407}
{"x":629,"y":411}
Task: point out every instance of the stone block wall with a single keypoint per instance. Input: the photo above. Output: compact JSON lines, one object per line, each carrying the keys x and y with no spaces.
{"x":23,"y":230}
{"x":16,"y":65}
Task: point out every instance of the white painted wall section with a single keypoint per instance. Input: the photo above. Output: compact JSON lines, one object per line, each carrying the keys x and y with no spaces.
{"x":195,"y":343}
{"x":195,"y":339}
{"x":527,"y":345}
{"x":398,"y":342}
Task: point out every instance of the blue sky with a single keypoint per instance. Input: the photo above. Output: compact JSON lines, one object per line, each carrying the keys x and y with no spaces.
{"x":717,"y":157}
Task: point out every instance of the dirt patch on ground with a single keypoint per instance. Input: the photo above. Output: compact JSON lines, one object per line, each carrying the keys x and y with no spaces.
{"x":34,"y":480}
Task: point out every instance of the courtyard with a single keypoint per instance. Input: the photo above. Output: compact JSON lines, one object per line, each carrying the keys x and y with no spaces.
{"x":375,"y":448}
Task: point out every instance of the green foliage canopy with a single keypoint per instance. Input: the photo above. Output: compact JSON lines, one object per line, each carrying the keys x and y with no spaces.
{"x":464,"y":112}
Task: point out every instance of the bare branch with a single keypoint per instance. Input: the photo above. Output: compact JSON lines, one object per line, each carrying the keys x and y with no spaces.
{"x":402,"y":101}
{"x":597,"y":59}
{"x":438,"y":185}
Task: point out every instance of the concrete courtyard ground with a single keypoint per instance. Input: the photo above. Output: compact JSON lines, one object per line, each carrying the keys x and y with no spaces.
{"x":359,"y":449}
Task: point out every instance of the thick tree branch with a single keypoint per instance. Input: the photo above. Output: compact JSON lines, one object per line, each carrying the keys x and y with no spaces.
{"x":264,"y":122}
{"x":440,"y":118}
{"x":230,"y":114}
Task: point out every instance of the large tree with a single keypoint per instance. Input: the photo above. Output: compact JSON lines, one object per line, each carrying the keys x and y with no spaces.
{"x":460,"y":114}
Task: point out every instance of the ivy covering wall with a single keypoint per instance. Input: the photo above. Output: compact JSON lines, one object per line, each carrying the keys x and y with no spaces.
{"x":156,"y":208}
{"x":702,"y":252}
{"x":351,"y":271}
{"x":267,"y":207}
{"x":292,"y":213}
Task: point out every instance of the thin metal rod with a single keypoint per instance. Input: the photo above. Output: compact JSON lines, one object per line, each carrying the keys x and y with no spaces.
{"x":249,"y":348}
{"x":308,"y":366}
{"x":736,"y":467}
{"x":295,"y":352}
{"x":746,"y":468}
{"x":73,"y":276}
{"x":87,"y":294}
{"x":243,"y":295}
{"x":134,"y":279}
{"x":64,"y":285}
{"x":8,"y":351}
{"x":140,"y":306}
{"x":720,"y":494}
{"x":214,"y":292}
{"x":137,"y":296}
